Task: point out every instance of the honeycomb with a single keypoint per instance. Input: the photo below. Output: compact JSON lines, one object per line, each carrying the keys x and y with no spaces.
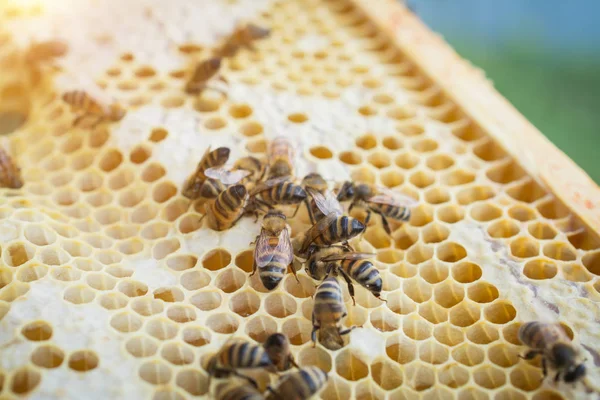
{"x":110,"y":287}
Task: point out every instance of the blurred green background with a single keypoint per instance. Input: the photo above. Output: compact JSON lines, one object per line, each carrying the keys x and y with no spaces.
{"x":543,"y":55}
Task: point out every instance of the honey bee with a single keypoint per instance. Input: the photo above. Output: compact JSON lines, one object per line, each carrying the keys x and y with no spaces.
{"x":273,"y":251}
{"x":328,"y":312}
{"x":277,"y":191}
{"x":83,"y":104}
{"x":238,"y":389}
{"x":203,"y":72}
{"x":253,"y":165}
{"x":280,"y":155}
{"x":237,"y":355}
{"x":218,"y":179}
{"x":380,"y":200}
{"x":277,"y":347}
{"x":299,"y":385}
{"x":10,"y":174}
{"x":314,"y":182}
{"x":552,"y":343}
{"x":242,"y":37}
{"x":331,"y":229}
{"x":45,"y":51}
{"x":227,"y":208}
{"x":350,"y":265}
{"x":210,"y":159}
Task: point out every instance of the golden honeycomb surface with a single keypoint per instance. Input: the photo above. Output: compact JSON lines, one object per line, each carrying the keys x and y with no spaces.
{"x":110,"y":287}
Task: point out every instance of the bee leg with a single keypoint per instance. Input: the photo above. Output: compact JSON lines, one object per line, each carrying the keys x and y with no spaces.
{"x":368,"y":217}
{"x":311,"y":215}
{"x":296,"y":212}
{"x":350,"y":285}
{"x":544,"y":369}
{"x":291,"y":266}
{"x":557,"y":377}
{"x":347,"y":331}
{"x":313,"y":335}
{"x":293,"y":362}
{"x":254,"y":267}
{"x":386,"y":225}
{"x":530,"y":355}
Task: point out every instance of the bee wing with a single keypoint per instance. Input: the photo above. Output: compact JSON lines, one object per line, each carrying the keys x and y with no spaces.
{"x":316,"y":230}
{"x":264,"y":251}
{"x":387,"y":196}
{"x":327,"y":202}
{"x":225,"y":176}
{"x":348,"y":256}
{"x":268,"y":184}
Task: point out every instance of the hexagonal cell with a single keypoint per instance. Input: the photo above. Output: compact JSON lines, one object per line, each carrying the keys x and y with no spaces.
{"x":384,"y":321}
{"x":524,"y":248}
{"x":484,"y":212}
{"x":37,"y":331}
{"x":437,"y":195}
{"x":453,"y":376}
{"x":400,"y":303}
{"x":168,"y":294}
{"x":468,"y":354}
{"x":450,"y":214}
{"x":489,"y":377}
{"x":503,"y":355}
{"x":540,"y":269}
{"x":405,"y":237}
{"x":177,"y":354}
{"x":451,"y":252}
{"x":26,"y":273}
{"x":482,"y":333}
{"x":321,"y":152}
{"x":230,"y":280}
{"x":350,"y":367}
{"x":464,"y":314}
{"x":541,"y":231}
{"x":192,"y":381}
{"x":244,"y":303}
{"x":24,"y":380}
{"x":387,"y":375}
{"x":500,"y":312}
{"x":559,"y":251}
{"x":433,"y":313}
{"x":521,"y":213}
{"x":482,"y":292}
{"x":79,"y":294}
{"x":526,"y":192}
{"x":417,"y":290}
{"x":83,"y":360}
{"x":126,"y":322}
{"x":165,"y":247}
{"x":350,"y":158}
{"x":336,"y":389}
{"x":435,"y":233}
{"x":113,"y":301}
{"x":196,"y":336}
{"x":47,"y":356}
{"x":18,"y":254}
{"x":449,"y":294}
{"x":222,"y":323}
{"x":433,"y":271}
{"x":155,"y":372}
{"x":147,"y":306}
{"x":419,"y":376}
{"x":422,"y":179}
{"x":141,"y":346}
{"x":505,"y":172}
{"x":457,"y":177}
{"x":416,"y":328}
{"x":474,"y":193}
{"x":406,"y":160}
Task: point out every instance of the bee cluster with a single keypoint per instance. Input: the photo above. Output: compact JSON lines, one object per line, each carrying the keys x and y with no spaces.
{"x":254,"y":187}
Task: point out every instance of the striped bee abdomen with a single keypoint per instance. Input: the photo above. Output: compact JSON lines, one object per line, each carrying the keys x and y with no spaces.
{"x":273,"y":272}
{"x":211,"y":188}
{"x":342,"y":229}
{"x":284,"y":193}
{"x":365,"y":273}
{"x":329,"y":303}
{"x":539,"y":335}
{"x":243,"y":355}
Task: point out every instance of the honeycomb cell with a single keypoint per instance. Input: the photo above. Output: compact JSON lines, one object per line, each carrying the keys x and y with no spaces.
{"x":162,"y":329}
{"x":38,"y":235}
{"x":230,"y":280}
{"x":163,"y":192}
{"x":192,"y":381}
{"x":297,"y":330}
{"x":482,"y":292}
{"x":437,"y":195}
{"x":177,"y":354}
{"x":448,"y":294}
{"x":434,"y":233}
{"x":384,"y":321}
{"x":503,"y":355}
{"x":485,"y":212}
{"x":83,"y":360}
{"x":433,"y":271}
{"x":155,"y":372}
{"x":244,"y":303}
{"x":451,"y":252}
{"x":417,"y":290}
{"x":152,"y":172}
{"x":165,"y":247}
{"x":450,"y":214}
{"x":416,"y":329}
{"x":196,"y":336}
{"x":194,"y":280}
{"x":17,"y":254}
{"x":474,"y":193}
{"x":489,"y":377}
{"x":28,"y":273}
{"x":126,"y":322}
{"x":113,"y":301}
{"x":464,"y":314}
{"x":79,"y":294}
{"x":453,"y":376}
{"x":559,"y":251}
{"x":168,"y":294}
{"x":392,"y":143}
{"x":350,"y":158}
{"x":132,"y":288}
{"x":419,"y":376}
{"x":591,"y":261}
{"x":500,"y":313}
{"x":24,"y":380}
{"x":432,"y":352}
{"x":350,"y":367}
{"x":47,"y":356}
{"x":433,"y":313}
{"x":471,"y":393}
{"x":321,"y":152}
{"x":540,"y":269}
{"x":526,"y":192}
{"x":439,"y":162}
{"x":37,"y":331}
{"x":141,"y":346}
{"x":521,"y":213}
{"x":524,"y":248}
{"x":155,"y":230}
{"x":406,"y":160}
{"x":553,"y":210}
{"x":216,"y":259}
{"x":422,"y":179}
{"x":222,"y":323}
{"x":541,"y":231}
{"x":468,"y":354}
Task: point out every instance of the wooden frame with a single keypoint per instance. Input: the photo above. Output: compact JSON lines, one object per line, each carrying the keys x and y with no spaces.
{"x":468,"y":87}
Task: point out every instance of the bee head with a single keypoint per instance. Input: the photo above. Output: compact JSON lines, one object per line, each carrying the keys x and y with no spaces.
{"x":363,"y":191}
{"x":346,"y":191}
{"x":330,"y":338}
{"x":223,"y":153}
{"x":239,"y":191}
{"x":563,"y":354}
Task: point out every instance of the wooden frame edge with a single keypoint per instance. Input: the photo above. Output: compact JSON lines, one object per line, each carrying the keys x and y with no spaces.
{"x":468,"y":87}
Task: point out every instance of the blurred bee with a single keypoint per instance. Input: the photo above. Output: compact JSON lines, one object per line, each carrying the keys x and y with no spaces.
{"x":83,"y":104}
{"x":327,"y":315}
{"x":314,"y":182}
{"x":273,"y":252}
{"x":237,"y":389}
{"x":10,"y":174}
{"x":299,"y":385}
{"x":277,"y":347}
{"x":380,"y":200}
{"x":281,"y":156}
{"x":218,"y":179}
{"x":238,"y":354}
{"x":277,"y":191}
{"x":552,"y":343}
{"x":331,"y":229}
{"x":227,"y":208}
{"x":210,"y":159}
{"x":349,"y":265}
{"x":203,"y":72}
{"x":242,"y":37}
{"x":45,"y":51}
{"x":253,"y":165}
